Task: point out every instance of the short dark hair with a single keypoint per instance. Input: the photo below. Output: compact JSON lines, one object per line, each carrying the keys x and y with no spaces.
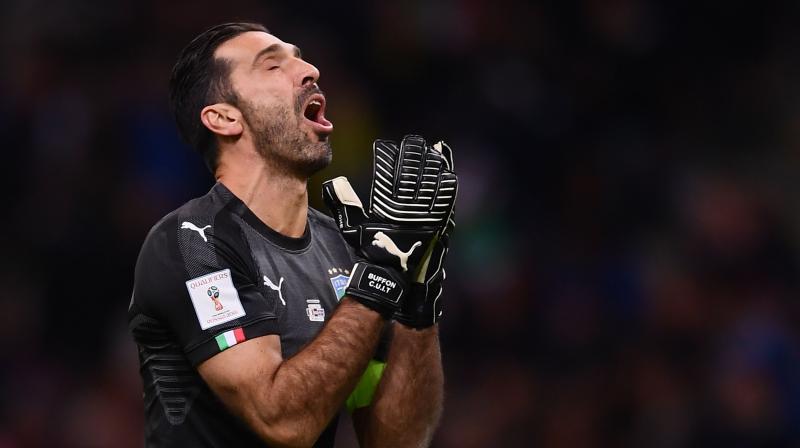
{"x":199,"y":79}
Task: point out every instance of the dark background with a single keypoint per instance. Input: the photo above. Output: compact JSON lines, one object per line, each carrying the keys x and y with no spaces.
{"x":625,"y":267}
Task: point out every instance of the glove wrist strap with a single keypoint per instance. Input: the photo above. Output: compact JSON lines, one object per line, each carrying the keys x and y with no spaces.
{"x":376,"y":287}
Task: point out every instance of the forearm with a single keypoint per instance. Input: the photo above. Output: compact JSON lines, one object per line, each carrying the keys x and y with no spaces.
{"x":308,"y":389}
{"x":408,"y":403}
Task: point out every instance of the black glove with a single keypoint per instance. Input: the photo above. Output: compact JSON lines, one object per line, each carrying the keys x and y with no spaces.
{"x":422,"y":307}
{"x":411,"y":201}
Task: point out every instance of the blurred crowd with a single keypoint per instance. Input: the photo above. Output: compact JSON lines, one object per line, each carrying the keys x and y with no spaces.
{"x":625,"y":265}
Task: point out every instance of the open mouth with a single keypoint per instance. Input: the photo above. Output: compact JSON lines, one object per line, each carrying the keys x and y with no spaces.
{"x":314,"y":112}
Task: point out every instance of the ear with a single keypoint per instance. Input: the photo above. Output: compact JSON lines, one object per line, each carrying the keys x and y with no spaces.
{"x":222,"y":119}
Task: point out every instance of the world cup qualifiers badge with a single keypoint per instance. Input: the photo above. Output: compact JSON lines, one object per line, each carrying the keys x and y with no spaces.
{"x":213,"y":293}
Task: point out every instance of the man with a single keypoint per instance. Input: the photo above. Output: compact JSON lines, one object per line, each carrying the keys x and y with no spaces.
{"x":250,"y":330}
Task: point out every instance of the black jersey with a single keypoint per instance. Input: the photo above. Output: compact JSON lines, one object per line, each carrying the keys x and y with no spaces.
{"x":211,"y":275}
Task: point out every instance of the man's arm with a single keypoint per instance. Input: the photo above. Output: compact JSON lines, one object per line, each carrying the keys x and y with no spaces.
{"x":406,"y":230}
{"x":290,"y":402}
{"x":408,"y":402}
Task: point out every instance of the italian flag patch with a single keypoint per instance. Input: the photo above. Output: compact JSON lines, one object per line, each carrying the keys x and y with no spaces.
{"x":230,"y":338}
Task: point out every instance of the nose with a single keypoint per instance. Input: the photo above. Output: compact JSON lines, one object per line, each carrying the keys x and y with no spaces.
{"x":309,"y":74}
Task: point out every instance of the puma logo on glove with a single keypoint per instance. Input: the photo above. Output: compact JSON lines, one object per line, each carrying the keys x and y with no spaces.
{"x":383,"y":241}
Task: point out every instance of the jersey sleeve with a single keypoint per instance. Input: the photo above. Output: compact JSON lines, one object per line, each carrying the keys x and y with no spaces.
{"x":196,"y":277}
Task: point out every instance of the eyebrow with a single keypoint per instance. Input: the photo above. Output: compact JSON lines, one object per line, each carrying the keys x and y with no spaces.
{"x":274,"y":48}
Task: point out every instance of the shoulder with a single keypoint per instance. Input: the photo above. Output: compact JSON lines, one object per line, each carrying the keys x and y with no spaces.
{"x":327,"y":233}
{"x":324,"y":227}
{"x":196,"y":213}
{"x":191,"y":238}
{"x":192,"y":224}
{"x":321,"y":220}
{"x":200,"y":237}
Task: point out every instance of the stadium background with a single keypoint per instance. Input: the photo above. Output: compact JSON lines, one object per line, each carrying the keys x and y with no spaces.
{"x":625,"y":269}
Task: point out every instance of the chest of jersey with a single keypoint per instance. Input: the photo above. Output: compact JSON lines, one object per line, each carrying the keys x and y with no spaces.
{"x":305,"y":286}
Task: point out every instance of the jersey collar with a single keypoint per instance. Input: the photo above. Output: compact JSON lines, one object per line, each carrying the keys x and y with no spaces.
{"x":239,"y":208}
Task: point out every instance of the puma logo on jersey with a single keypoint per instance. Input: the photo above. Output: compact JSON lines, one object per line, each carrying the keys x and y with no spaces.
{"x":268,"y":283}
{"x":383,"y":241}
{"x":201,"y":231}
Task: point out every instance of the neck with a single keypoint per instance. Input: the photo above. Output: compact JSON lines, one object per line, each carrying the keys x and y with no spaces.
{"x":277,"y":198}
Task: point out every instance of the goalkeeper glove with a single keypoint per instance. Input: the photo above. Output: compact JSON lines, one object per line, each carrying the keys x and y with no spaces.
{"x":411,"y":203}
{"x":422,"y":306}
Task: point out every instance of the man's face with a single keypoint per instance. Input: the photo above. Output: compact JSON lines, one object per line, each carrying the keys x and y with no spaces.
{"x":282,"y":106}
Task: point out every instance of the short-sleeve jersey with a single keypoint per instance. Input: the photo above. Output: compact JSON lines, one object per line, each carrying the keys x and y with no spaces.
{"x":211,"y":275}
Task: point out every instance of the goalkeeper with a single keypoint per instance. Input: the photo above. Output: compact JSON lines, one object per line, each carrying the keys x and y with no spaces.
{"x":258,"y":318}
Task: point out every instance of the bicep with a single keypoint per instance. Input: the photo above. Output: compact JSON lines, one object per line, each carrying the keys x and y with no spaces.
{"x":241,"y":375}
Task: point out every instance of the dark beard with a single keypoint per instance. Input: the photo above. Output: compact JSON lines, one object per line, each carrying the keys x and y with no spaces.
{"x":281,"y":142}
